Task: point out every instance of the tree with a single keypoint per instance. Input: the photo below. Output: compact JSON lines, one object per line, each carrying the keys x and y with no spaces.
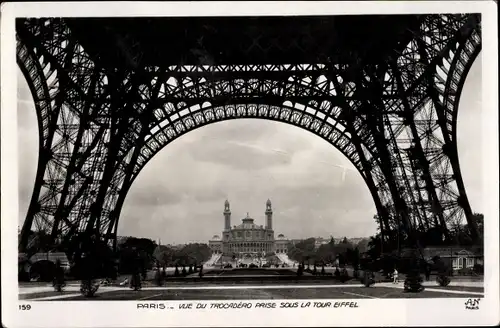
{"x":130,"y":248}
{"x":432,"y":237}
{"x":353,"y":257}
{"x":190,"y":254}
{"x":479,"y":218}
{"x":305,"y":250}
{"x":296,"y":254}
{"x":460,"y":233}
{"x":145,"y":244}
{"x":90,"y":255}
{"x":163,"y":254}
{"x":326,"y":253}
{"x":135,"y":280}
{"x":300,"y":270}
{"x":58,"y":281}
{"x":195,"y":253}
{"x":413,"y":281}
{"x":394,"y":236}
{"x":159,"y":275}
{"x":363,"y":245}
{"x":342,"y":248}
{"x":375,"y":246}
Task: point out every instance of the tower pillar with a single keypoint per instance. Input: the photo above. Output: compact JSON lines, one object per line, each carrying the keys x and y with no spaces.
{"x":227,"y":216}
{"x":269,"y":215}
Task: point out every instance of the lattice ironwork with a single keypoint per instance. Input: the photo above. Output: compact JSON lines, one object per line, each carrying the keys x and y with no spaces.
{"x":392,"y":115}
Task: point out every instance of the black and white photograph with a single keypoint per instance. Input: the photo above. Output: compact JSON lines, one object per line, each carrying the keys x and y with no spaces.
{"x":226,"y":163}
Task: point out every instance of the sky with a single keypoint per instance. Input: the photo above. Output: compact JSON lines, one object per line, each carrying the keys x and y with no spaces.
{"x":315,"y":191}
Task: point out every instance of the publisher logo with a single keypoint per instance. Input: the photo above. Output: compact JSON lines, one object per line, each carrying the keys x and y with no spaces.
{"x":472,"y":304}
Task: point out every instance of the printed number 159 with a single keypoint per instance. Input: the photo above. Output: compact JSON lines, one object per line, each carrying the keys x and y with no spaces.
{"x":24,"y":307}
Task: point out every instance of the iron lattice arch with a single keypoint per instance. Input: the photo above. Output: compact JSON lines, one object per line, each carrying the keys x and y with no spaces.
{"x":392,"y":114}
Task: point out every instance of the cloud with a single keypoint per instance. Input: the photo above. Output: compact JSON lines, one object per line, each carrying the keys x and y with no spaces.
{"x":256,"y":132}
{"x":301,"y":222}
{"x":248,"y":144}
{"x":215,"y":196}
{"x":154,"y":194}
{"x":239,"y":156}
{"x":326,"y":198}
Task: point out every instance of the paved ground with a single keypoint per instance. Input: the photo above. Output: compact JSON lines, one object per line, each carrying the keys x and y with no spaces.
{"x":217,"y":292}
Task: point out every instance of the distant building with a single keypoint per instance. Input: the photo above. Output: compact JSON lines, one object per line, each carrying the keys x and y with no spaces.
{"x":25,"y":263}
{"x":248,"y":237}
{"x":318,"y":241}
{"x":281,"y":244}
{"x":356,"y":240}
{"x":321,"y":241}
{"x":175,"y":246}
{"x":458,"y":258}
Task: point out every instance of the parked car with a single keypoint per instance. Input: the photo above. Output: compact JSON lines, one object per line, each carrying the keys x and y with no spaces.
{"x":266,"y":265}
{"x":228,"y":266}
{"x":252,"y":265}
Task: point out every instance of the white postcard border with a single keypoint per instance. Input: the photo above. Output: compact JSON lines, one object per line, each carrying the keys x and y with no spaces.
{"x":382,"y":312}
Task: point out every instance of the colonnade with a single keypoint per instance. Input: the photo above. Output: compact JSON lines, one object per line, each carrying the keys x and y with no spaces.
{"x":251,"y":247}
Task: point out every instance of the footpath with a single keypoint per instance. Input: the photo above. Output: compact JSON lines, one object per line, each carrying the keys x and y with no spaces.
{"x":400,"y":284}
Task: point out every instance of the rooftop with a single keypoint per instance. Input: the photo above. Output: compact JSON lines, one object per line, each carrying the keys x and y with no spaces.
{"x":247,"y":219}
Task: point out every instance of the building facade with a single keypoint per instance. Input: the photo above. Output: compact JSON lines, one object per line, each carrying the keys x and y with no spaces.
{"x":281,"y":245}
{"x":456,"y":258}
{"x":248,"y":237}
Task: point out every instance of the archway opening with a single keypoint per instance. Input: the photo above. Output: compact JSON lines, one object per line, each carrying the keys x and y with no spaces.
{"x":316,"y":192}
